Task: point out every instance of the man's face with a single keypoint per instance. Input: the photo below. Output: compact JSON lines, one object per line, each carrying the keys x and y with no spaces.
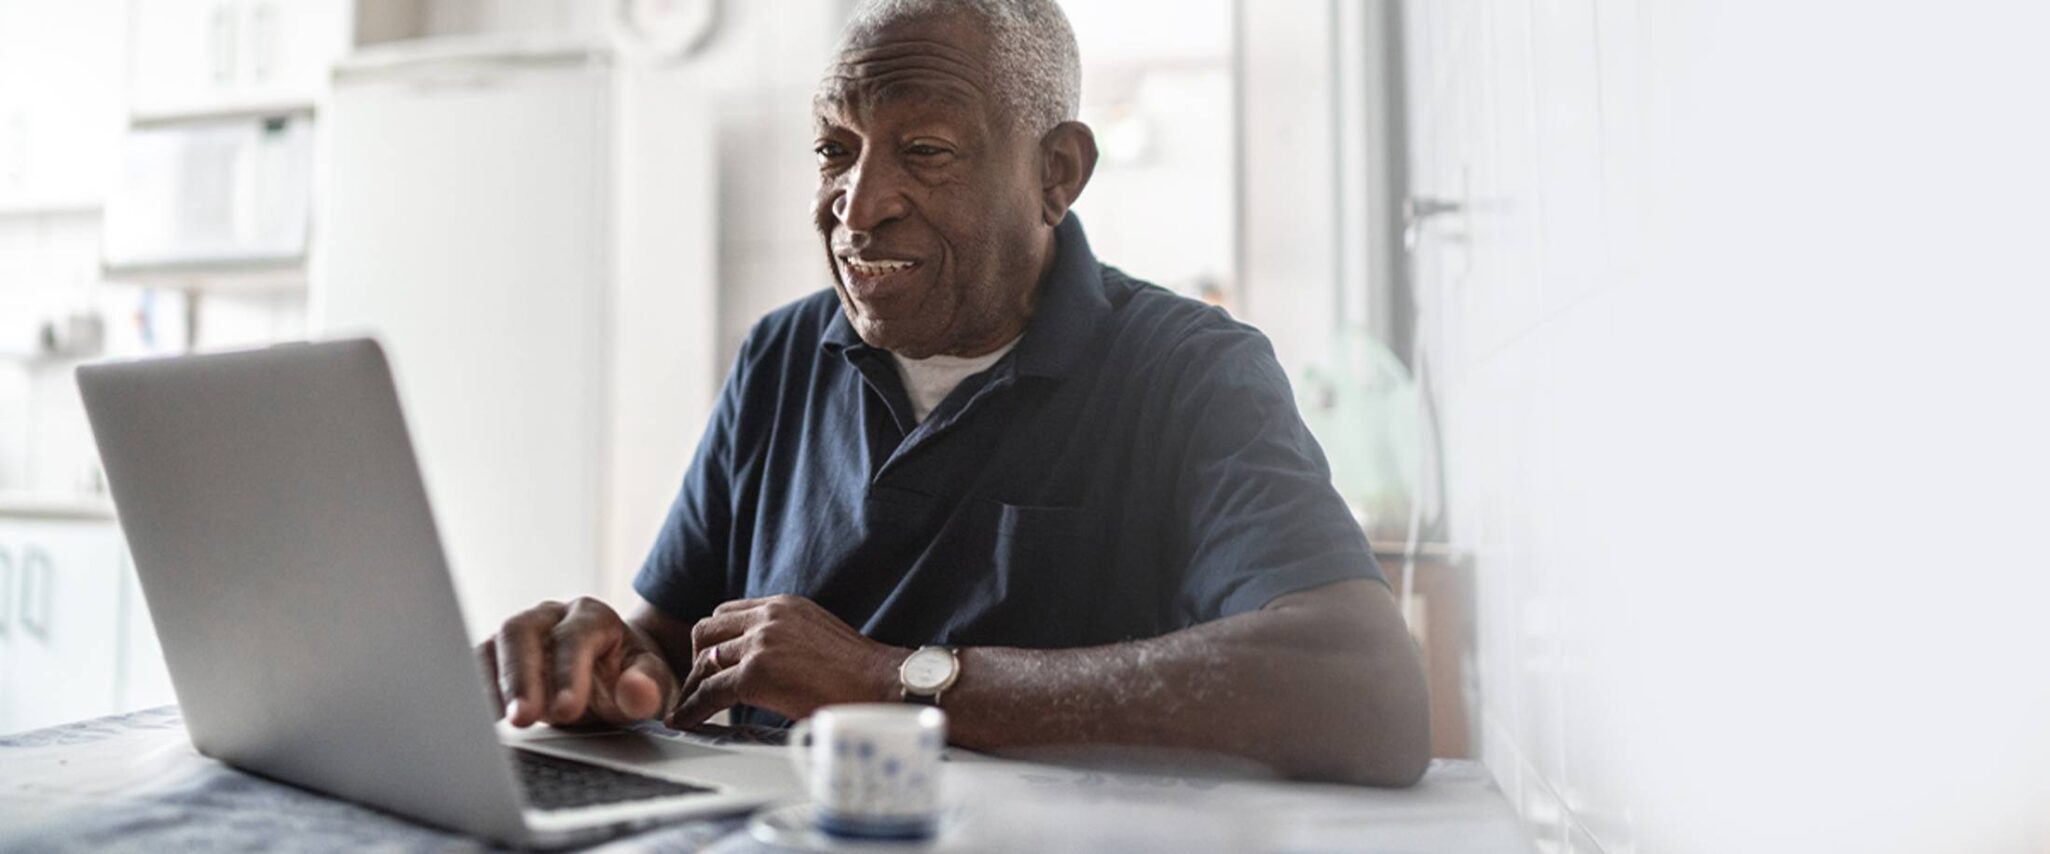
{"x":928,"y":201}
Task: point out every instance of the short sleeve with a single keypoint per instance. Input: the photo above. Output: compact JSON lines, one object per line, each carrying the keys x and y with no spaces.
{"x":1258,"y":512}
{"x":685,"y":574}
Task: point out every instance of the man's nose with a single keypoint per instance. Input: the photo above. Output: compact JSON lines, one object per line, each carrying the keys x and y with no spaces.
{"x":873,"y":195}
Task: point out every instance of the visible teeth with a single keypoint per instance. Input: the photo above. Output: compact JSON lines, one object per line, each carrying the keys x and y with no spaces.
{"x":878,"y":268}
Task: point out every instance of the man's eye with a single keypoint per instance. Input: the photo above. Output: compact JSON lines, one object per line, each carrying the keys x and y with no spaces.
{"x":829,"y":150}
{"x":923,"y":150}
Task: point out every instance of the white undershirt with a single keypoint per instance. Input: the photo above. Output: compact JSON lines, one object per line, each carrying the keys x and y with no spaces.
{"x":929,"y":381}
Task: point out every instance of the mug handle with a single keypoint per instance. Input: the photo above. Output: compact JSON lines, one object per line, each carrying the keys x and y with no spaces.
{"x":799,"y":749}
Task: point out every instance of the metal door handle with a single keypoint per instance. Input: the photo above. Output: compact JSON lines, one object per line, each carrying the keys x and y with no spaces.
{"x":6,"y":592}
{"x":1417,"y":210}
{"x":37,"y":622}
{"x":266,"y":29}
{"x":221,"y":45}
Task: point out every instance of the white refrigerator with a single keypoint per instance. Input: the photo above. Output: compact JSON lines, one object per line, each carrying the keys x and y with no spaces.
{"x":530,"y":231}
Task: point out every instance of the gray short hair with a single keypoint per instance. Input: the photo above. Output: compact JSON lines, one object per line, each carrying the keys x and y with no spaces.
{"x":1035,"y":66}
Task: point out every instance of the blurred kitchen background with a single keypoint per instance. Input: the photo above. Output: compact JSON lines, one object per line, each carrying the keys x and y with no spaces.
{"x":1678,"y":357}
{"x":561,"y":217}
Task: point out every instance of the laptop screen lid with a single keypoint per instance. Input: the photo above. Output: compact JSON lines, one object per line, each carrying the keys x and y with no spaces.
{"x":284,"y":543}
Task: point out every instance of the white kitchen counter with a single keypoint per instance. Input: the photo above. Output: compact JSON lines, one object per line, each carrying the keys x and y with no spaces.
{"x":21,"y":505}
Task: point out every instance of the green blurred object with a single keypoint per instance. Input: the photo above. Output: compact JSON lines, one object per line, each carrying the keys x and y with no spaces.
{"x":1362,"y":407}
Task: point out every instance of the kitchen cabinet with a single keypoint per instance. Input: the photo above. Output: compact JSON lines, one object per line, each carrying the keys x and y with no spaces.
{"x":63,"y":623}
{"x":197,"y":57}
{"x":74,"y":640}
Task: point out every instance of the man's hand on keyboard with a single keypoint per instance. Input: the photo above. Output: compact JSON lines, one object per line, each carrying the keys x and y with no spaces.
{"x":576,"y":663}
{"x":786,"y":654}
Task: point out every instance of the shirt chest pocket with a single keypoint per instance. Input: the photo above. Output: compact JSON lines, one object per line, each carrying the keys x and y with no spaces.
{"x":1029,"y":576}
{"x":1046,"y":554}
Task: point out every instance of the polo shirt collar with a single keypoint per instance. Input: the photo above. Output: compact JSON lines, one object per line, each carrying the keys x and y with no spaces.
{"x":840,"y":334}
{"x":1071,"y":309}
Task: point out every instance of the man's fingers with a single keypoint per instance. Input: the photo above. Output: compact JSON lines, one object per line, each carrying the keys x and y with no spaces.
{"x":719,"y":627}
{"x":520,"y":655}
{"x":717,"y":691}
{"x":716,"y":652}
{"x":522,"y":662}
{"x":698,"y":671}
{"x":583,"y":635}
{"x":727,"y":655}
{"x":644,"y":688}
{"x":487,"y":655}
{"x":740,"y":604}
{"x":710,"y":632}
{"x":721,"y":659}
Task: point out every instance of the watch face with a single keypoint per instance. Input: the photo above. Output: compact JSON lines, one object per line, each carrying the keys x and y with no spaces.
{"x":928,"y":669}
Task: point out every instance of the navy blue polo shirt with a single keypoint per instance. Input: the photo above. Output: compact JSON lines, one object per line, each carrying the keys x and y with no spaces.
{"x":1135,"y":465}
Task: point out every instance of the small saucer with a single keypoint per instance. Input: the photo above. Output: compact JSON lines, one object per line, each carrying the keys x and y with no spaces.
{"x":796,"y":826}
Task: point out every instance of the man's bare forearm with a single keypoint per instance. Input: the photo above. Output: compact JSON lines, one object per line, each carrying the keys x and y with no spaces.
{"x":1323,"y":685}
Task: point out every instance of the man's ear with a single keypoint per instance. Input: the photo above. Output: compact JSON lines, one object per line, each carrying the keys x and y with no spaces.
{"x":1067,"y":157}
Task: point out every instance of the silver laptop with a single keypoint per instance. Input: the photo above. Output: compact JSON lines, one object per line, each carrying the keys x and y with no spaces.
{"x":284,"y":543}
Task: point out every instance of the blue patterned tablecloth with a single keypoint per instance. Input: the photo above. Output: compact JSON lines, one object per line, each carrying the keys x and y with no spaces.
{"x":134,"y":783}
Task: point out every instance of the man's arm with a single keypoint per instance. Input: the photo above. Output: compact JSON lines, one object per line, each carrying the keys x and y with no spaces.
{"x":1322,"y":684}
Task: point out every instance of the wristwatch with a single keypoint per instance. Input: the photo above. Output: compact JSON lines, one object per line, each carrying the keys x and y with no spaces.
{"x":927,"y":673}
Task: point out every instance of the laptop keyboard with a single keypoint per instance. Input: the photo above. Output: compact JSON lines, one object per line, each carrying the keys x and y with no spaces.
{"x":554,"y":783}
{"x":724,"y":736}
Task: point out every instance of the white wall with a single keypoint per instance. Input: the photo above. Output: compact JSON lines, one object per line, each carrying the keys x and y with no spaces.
{"x":1157,"y":89}
{"x":760,"y":69}
{"x":1738,"y":353}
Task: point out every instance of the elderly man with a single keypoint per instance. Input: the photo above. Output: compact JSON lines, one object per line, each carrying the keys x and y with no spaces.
{"x":988,"y":472}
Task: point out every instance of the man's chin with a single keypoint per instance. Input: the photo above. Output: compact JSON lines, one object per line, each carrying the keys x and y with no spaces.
{"x":894,"y":336}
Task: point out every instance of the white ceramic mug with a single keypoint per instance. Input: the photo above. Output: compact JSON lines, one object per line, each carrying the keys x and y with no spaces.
{"x":873,"y":769}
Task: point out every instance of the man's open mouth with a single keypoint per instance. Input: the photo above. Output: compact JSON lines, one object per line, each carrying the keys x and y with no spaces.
{"x":877,"y":268}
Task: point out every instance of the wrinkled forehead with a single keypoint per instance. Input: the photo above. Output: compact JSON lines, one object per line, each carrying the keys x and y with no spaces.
{"x":912,"y":66}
